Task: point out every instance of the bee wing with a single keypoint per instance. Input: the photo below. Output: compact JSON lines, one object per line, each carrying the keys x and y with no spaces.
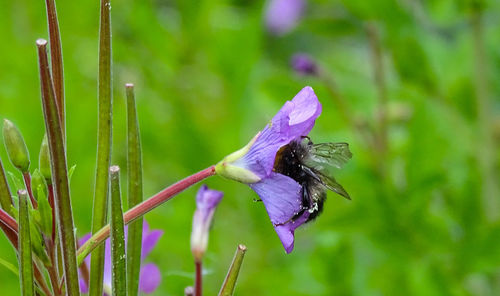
{"x":332,"y":154}
{"x":329,"y":182}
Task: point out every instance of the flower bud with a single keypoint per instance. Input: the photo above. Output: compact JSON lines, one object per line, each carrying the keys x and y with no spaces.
{"x":304,"y":64}
{"x":16,"y":147}
{"x":44,"y":160}
{"x":206,"y":202}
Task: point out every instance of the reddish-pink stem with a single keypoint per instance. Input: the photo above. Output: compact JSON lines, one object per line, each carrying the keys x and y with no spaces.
{"x":8,"y":221}
{"x":27,"y":183}
{"x":166,"y":194}
{"x":198,"y":279}
{"x":143,"y":208}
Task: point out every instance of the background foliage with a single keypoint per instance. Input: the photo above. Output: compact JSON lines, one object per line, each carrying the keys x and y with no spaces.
{"x":208,"y":76}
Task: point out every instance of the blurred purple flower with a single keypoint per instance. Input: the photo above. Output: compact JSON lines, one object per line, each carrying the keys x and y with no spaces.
{"x":303,"y":64}
{"x":282,"y":196}
{"x":283,"y":15}
{"x":206,"y":202}
{"x":149,"y":276}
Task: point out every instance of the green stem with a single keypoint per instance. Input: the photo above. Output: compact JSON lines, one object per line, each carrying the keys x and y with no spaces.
{"x":59,"y":170}
{"x":56,"y":59}
{"x":486,"y":159}
{"x":25,"y":259}
{"x":227,"y":288}
{"x":100,"y":208}
{"x":381,"y":140}
{"x":119,"y":264}
{"x":143,"y":208}
{"x":135,"y":194}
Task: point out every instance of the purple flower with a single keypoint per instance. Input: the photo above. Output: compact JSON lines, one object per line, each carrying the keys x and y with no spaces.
{"x":206,"y":202}
{"x":254,"y":164}
{"x":149,"y":276}
{"x":304,"y":64}
{"x":283,"y":15}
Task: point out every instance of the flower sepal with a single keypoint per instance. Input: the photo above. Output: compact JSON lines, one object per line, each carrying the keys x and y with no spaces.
{"x":227,"y":169}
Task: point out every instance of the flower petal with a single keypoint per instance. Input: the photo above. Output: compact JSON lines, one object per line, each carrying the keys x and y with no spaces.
{"x":295,"y":119}
{"x":149,"y":240}
{"x":286,"y":232}
{"x":283,"y":15}
{"x":107,"y":276}
{"x":281,"y":195}
{"x":149,"y":278}
{"x":307,"y":108}
{"x":83,"y":286}
{"x":207,"y":199}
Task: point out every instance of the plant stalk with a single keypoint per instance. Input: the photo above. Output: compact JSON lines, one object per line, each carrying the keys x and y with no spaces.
{"x":59,"y":170}
{"x":227,"y":288}
{"x":198,"y":282}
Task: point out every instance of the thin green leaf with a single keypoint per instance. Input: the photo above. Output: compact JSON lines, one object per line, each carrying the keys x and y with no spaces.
{"x":15,"y":211}
{"x":25,"y":260}
{"x":103,"y":146}
{"x":135,"y":194}
{"x":5,"y":195}
{"x":227,"y":288}
{"x":59,"y":173}
{"x":71,"y":171}
{"x":18,"y":184}
{"x":37,"y":242}
{"x":119,"y":264}
{"x":9,"y":266}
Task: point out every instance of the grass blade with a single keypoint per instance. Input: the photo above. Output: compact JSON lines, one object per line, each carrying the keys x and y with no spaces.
{"x":227,"y":288}
{"x":56,"y":59}
{"x":103,"y":146}
{"x":59,"y":170}
{"x":5,"y":195}
{"x":135,"y":195}
{"x":25,"y":260}
{"x":119,"y":264}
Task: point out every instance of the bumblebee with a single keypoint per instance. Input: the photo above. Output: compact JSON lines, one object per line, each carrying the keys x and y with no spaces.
{"x":308,"y":164}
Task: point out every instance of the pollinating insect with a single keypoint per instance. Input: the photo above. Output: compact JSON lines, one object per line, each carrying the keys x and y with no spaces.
{"x":308,"y":164}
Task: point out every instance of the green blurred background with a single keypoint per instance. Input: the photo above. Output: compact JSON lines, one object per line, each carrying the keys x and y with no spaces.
{"x":208,"y":75}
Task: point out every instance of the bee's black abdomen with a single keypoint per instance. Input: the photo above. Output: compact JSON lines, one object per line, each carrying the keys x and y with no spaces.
{"x":314,"y":214}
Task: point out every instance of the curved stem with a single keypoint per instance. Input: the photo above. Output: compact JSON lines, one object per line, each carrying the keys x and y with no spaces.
{"x":8,"y":221}
{"x":143,"y":208}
